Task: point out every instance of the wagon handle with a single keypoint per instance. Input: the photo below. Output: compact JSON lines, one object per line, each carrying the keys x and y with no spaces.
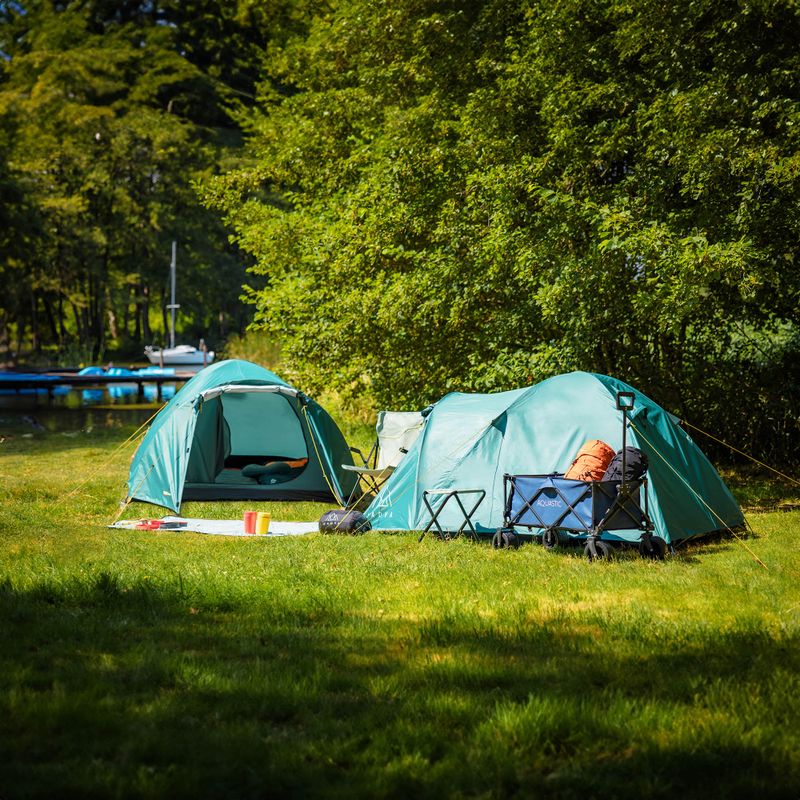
{"x":625,"y":404}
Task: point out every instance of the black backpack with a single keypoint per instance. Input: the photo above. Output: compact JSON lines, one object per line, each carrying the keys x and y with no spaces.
{"x":342,"y":521}
{"x":635,"y":466}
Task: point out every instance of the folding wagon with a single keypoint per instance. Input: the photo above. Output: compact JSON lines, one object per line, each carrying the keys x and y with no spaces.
{"x":569,"y":512}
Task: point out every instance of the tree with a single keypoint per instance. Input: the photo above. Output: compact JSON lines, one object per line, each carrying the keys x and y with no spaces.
{"x":106,"y":156}
{"x":478,"y":197}
{"x":17,"y":225}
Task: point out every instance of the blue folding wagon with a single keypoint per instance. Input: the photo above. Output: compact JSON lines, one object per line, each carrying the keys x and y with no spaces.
{"x":569,"y":511}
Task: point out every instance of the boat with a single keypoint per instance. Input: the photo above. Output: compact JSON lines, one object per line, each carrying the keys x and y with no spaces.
{"x":182,"y":355}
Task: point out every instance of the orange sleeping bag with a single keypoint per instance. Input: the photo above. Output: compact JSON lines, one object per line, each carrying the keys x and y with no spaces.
{"x":591,"y":462}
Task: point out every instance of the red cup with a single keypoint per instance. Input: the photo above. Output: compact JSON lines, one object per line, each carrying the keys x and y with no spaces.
{"x":250,"y":521}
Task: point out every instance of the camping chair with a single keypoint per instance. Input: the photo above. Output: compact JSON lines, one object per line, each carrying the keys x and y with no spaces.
{"x":396,"y":431}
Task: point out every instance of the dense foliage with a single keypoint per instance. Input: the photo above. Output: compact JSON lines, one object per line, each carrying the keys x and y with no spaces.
{"x":478,"y":196}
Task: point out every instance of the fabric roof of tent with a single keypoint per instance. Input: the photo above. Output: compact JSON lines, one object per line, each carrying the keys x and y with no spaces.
{"x":231,"y":413}
{"x":471,"y":440}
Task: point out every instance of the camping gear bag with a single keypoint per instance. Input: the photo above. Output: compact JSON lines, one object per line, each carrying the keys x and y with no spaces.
{"x":635,"y":466}
{"x":343,"y":521}
{"x":591,"y":462}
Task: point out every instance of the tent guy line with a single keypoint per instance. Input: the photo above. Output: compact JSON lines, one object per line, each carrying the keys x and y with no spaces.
{"x":691,"y":489}
{"x":742,"y":453}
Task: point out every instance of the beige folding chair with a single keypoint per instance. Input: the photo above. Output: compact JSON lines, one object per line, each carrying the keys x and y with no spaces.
{"x":396,"y":432}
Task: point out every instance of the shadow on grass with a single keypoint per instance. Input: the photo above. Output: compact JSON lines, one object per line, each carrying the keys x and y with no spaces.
{"x":162,"y":690}
{"x":757,"y":489}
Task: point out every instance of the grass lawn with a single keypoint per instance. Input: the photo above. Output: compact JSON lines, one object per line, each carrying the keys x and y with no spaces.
{"x":142,"y":664}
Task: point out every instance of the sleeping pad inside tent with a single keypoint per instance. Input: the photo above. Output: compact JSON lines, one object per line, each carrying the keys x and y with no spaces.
{"x":236,"y":431}
{"x":470,"y":441}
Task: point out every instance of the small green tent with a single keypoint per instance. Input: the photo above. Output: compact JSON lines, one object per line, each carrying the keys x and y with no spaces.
{"x":471,"y":440}
{"x":236,"y":431}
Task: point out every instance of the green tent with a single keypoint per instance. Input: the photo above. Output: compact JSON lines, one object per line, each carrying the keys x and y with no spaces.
{"x":236,"y":431}
{"x":471,"y":440}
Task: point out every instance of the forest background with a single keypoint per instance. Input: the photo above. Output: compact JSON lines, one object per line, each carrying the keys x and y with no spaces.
{"x":415,"y":197}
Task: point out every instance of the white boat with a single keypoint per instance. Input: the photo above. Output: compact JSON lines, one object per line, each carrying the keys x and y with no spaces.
{"x":183,"y":355}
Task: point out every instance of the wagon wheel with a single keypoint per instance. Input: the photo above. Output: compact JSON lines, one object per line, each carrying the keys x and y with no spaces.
{"x":550,"y":538}
{"x":512,"y":539}
{"x":656,"y":550}
{"x":505,"y":538}
{"x":598,"y":550}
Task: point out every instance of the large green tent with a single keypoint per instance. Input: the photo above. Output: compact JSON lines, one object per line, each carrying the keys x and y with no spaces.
{"x":471,"y":440}
{"x":236,"y":431}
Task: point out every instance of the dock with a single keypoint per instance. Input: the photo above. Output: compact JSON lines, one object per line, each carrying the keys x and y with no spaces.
{"x":50,"y":381}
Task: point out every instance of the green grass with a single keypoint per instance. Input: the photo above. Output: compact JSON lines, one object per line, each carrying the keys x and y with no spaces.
{"x":142,"y":664}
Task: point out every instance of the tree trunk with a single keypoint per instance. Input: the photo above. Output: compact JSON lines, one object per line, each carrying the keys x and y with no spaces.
{"x":126,"y":311}
{"x":4,"y":335}
{"x":146,"y":332}
{"x":137,"y":313}
{"x":90,"y":310}
{"x":62,"y":331}
{"x":96,"y":316}
{"x":20,"y":334}
{"x":35,"y":344}
{"x":51,"y":321}
{"x":86,"y":330}
{"x":76,"y":312}
{"x":110,"y":315}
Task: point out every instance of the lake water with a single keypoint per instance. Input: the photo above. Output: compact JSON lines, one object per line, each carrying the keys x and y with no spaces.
{"x":81,"y":410}
{"x":77,"y":411}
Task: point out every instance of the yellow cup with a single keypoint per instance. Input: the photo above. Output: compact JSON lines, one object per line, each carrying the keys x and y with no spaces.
{"x":262,"y":522}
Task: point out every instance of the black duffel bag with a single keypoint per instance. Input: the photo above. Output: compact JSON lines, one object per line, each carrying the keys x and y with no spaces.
{"x":635,"y":466}
{"x":343,"y":521}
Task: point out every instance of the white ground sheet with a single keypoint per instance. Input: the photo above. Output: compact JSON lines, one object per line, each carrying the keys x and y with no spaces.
{"x":229,"y":527}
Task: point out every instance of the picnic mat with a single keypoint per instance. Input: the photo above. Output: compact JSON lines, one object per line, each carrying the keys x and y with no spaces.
{"x":217,"y":527}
